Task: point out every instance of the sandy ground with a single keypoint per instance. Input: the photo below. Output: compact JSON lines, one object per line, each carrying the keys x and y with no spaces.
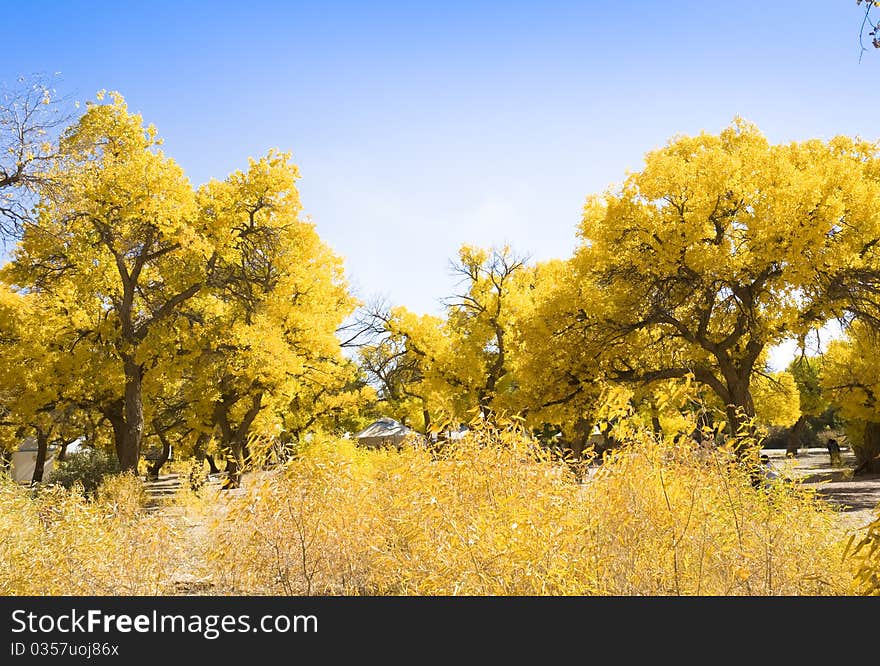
{"x":857,"y":497}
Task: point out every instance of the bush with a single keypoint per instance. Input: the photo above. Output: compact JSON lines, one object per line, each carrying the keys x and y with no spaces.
{"x":87,"y":467}
{"x":54,"y":541}
{"x":494,"y":515}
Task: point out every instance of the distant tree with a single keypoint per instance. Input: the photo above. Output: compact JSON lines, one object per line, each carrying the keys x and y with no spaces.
{"x":851,"y":380}
{"x":30,"y":114}
{"x":457,"y":366}
{"x":806,"y":371}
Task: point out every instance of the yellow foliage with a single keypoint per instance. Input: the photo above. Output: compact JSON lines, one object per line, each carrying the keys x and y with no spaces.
{"x":59,"y":543}
{"x":496,"y":515}
{"x":777,"y":399}
{"x":865,"y":554}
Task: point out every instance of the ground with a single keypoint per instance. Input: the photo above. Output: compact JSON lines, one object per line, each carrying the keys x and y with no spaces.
{"x":856,"y":496}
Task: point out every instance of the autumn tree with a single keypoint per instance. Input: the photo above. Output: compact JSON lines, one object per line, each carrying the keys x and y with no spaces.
{"x":719,"y":248}
{"x":806,"y":372}
{"x":481,"y":316}
{"x":118,"y":234}
{"x":850,"y":380}
{"x":43,"y":377}
{"x":458,"y":366}
{"x":267,"y":330}
{"x":393,"y":372}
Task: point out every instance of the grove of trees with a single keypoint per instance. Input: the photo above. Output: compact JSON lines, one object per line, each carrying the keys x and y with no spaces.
{"x":138,"y":309}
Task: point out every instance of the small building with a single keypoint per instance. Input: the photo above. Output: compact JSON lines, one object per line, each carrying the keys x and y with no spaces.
{"x":383,"y":432}
{"x":25,"y":459}
{"x":457,"y":434}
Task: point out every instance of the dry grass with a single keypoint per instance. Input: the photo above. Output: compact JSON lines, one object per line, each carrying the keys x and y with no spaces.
{"x":491,"y":515}
{"x":57,"y":542}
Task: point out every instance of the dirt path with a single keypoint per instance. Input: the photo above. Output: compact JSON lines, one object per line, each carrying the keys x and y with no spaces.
{"x":857,"y":497}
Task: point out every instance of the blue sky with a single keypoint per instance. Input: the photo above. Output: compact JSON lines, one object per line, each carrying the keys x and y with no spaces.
{"x":421,"y":126}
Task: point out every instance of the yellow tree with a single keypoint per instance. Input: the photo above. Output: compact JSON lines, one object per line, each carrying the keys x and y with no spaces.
{"x":118,"y":234}
{"x":806,"y":372}
{"x":559,"y":377}
{"x":850,"y":380}
{"x":455,"y":367}
{"x":719,"y":248}
{"x":267,"y":330}
{"x":395,"y":374}
{"x":43,"y":377}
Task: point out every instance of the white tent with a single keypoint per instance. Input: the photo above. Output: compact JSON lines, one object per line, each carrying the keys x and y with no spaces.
{"x":25,"y":459}
{"x":383,"y":432}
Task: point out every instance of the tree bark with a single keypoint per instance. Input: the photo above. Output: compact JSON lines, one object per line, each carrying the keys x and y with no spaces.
{"x":794,"y":440}
{"x":40,"y":462}
{"x":163,"y":457}
{"x":234,"y":440}
{"x":130,"y":450}
{"x":869,"y":453}
{"x":212,"y":466}
{"x":115,"y":414}
{"x":740,"y":409}
{"x":655,"y":425}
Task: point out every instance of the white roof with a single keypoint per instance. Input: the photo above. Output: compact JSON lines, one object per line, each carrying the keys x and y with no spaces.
{"x":384,"y":427}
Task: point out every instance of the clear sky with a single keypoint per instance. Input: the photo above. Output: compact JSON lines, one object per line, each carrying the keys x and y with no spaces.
{"x":421,"y":126}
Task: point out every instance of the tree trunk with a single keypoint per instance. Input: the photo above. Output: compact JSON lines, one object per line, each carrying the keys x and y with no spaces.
{"x":200,"y":454}
{"x":740,"y":411}
{"x":868,"y":454}
{"x":235,"y":440}
{"x":115,"y":413}
{"x":130,"y":451}
{"x":40,"y":462}
{"x":163,"y":457}
{"x":794,"y":440}
{"x":233,"y":471}
{"x":212,"y":466}
{"x":655,"y":425}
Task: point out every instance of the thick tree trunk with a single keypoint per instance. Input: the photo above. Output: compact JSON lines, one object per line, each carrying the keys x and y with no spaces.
{"x":40,"y":462}
{"x":130,"y":450}
{"x":163,"y":457}
{"x":794,"y":440}
{"x":234,"y":440}
{"x":115,"y":413}
{"x":868,"y":454}
{"x":212,"y":466}
{"x":740,"y":412}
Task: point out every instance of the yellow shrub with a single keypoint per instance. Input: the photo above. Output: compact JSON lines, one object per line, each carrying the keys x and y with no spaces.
{"x":57,"y":542}
{"x":865,"y":555}
{"x":492,"y":515}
